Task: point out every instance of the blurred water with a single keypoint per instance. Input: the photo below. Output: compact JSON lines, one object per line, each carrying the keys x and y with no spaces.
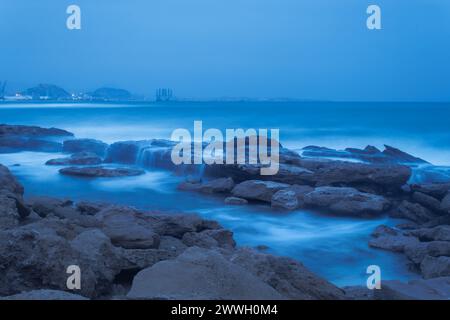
{"x":334,"y":247}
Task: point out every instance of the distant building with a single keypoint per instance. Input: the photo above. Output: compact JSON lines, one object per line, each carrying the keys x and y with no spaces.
{"x":2,"y":90}
{"x":164,"y":94}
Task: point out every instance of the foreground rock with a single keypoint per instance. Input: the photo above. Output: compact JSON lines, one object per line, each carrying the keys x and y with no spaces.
{"x":101,"y":172}
{"x":81,"y":158}
{"x":346,"y":201}
{"x":45,"y":295}
{"x":434,"y":289}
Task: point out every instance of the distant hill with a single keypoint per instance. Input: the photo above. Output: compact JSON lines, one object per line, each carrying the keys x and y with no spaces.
{"x":111,"y":94}
{"x":48,"y":91}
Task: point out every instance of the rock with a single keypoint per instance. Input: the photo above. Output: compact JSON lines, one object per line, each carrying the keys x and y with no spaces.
{"x":81,"y":158}
{"x":235,"y":201}
{"x":289,"y":277}
{"x":45,"y":206}
{"x":346,"y":201}
{"x":9,"y":215}
{"x":433,"y":289}
{"x":11,"y":144}
{"x":95,"y":172}
{"x":416,"y":251}
{"x":34,"y":131}
{"x":221,"y":185}
{"x":171,"y":244}
{"x":438,"y":248}
{"x":257,"y":190}
{"x":45,"y":294}
{"x":445,"y":204}
{"x":138,"y":259}
{"x":199,"y":274}
{"x":412,"y":211}
{"x":90,"y":208}
{"x":390,"y":239}
{"x":8,"y":183}
{"x":85,"y":145}
{"x":358,"y":293}
{"x":436,"y":190}
{"x":128,"y":228}
{"x":177,"y":225}
{"x":401,"y":157}
{"x":434,"y":267}
{"x":285,"y":199}
{"x":439,"y":233}
{"x":427,"y":201}
{"x":210,"y":239}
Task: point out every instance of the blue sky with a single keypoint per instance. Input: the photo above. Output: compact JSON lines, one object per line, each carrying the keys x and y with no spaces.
{"x":315,"y":49}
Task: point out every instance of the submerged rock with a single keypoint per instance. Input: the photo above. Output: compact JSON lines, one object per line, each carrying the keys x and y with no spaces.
{"x":101,"y":172}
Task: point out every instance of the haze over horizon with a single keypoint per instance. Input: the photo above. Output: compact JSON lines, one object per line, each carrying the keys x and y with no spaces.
{"x":203,"y":49}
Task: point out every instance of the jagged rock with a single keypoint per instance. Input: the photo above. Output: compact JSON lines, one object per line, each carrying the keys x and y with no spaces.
{"x":346,"y":201}
{"x":235,"y":201}
{"x":412,"y":211}
{"x":427,"y":201}
{"x":93,"y":172}
{"x":80,"y":158}
{"x":285,"y":199}
{"x":257,"y":190}
{"x":85,"y":145}
{"x":199,"y":274}
{"x":45,"y":294}
{"x":128,"y":228}
{"x":433,"y":289}
{"x":434,"y":267}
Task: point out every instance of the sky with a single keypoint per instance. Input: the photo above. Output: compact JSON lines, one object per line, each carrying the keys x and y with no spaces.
{"x":207,"y":49}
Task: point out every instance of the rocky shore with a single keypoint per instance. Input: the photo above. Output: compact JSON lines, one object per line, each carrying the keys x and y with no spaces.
{"x":131,"y":254}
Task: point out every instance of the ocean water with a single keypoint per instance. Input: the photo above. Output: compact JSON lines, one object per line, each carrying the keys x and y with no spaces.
{"x":333,"y":247}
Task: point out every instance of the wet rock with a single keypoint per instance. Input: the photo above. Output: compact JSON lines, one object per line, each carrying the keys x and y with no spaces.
{"x":412,"y":211}
{"x":45,"y":294}
{"x":8,"y":183}
{"x":390,"y":239}
{"x":221,"y":185}
{"x":434,"y":267}
{"x":433,"y":289}
{"x":21,"y":130}
{"x":101,"y":172}
{"x":235,"y":201}
{"x":346,"y":201}
{"x":285,"y":199}
{"x":439,"y":233}
{"x":427,"y":201}
{"x":81,"y":158}
{"x":85,"y":145}
{"x":436,"y":190}
{"x":258,"y":190}
{"x":198,"y":274}
{"x":287,"y":276}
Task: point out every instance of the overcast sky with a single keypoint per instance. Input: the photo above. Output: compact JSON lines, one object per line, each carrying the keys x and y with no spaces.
{"x":312,"y":49}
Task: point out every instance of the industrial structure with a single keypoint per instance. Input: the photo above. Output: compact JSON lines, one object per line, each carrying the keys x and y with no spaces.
{"x":164,"y":94}
{"x":2,"y":89}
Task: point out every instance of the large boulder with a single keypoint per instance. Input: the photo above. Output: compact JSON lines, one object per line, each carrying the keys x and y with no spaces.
{"x":258,"y":190}
{"x":346,"y":201}
{"x":85,"y":145}
{"x":199,"y":274}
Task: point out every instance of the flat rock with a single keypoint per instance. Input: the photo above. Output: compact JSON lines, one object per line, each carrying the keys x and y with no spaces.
{"x":235,"y":201}
{"x":101,"y":172}
{"x":45,"y":294}
{"x":258,"y":190}
{"x":433,"y":289}
{"x":81,"y":158}
{"x":346,"y":201}
{"x":85,"y":145}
